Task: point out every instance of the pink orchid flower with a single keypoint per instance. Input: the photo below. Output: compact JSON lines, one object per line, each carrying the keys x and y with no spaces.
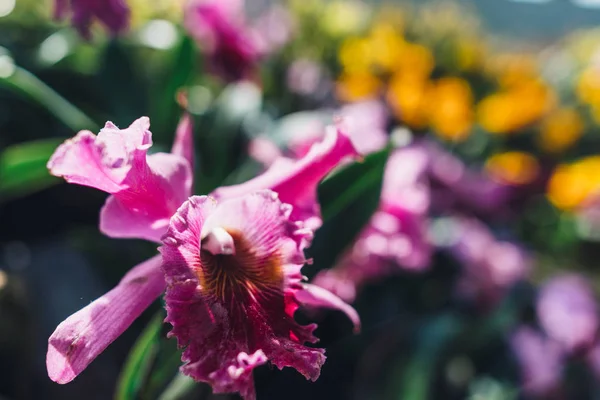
{"x":246,"y":240}
{"x":114,"y":14}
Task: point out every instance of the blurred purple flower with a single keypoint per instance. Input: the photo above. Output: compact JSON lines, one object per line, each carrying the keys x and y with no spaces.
{"x":541,"y":361}
{"x":304,"y":76}
{"x":489,"y":266}
{"x":455,"y":186}
{"x":593,"y":359}
{"x":220,"y":28}
{"x":273,"y":29}
{"x":567,"y":311}
{"x":396,"y":235}
{"x":114,"y":14}
{"x":232,"y":44}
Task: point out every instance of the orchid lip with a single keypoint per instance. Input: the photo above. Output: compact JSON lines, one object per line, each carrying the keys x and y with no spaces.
{"x":218,"y":241}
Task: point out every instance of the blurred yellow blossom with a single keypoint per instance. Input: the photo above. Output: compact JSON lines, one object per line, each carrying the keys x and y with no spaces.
{"x":451,"y":108}
{"x":386,"y":45}
{"x":357,"y":85}
{"x":415,"y":59}
{"x":142,"y":11}
{"x":470,"y":54}
{"x":513,"y":69}
{"x":340,"y":18}
{"x":572,"y":184}
{"x":407,"y":96}
{"x":355,"y":54}
{"x":588,"y":86}
{"x":513,"y":167}
{"x":513,"y":109}
{"x":560,"y":130}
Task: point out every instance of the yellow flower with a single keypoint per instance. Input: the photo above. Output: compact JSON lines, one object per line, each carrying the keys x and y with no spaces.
{"x":451,"y":108}
{"x":560,"y":130}
{"x":470,"y":54}
{"x":357,"y":85}
{"x":513,"y":109}
{"x":341,"y":18}
{"x":356,"y":55}
{"x":572,"y":184}
{"x":407,"y":96}
{"x":588,"y":86}
{"x":513,"y":69}
{"x":386,"y":45}
{"x":142,"y":11}
{"x":415,"y":59}
{"x":513,"y":167}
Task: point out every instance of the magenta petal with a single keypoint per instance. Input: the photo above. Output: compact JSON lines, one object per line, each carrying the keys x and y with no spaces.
{"x":232,"y":305}
{"x":296,"y":182}
{"x":79,"y":339}
{"x":102,"y":161}
{"x":144,"y":212}
{"x":112,"y":13}
{"x":183,"y":145}
{"x":315,"y":296}
{"x":147,"y":190}
{"x":79,"y":161}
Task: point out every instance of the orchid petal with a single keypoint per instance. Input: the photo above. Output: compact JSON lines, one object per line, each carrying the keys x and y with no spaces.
{"x":296,"y":182}
{"x":315,"y":296}
{"x":183,"y":145}
{"x":146,"y":189}
{"x":79,"y":339}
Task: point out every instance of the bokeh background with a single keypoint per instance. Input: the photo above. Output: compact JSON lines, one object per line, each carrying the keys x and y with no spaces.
{"x":492,"y":113}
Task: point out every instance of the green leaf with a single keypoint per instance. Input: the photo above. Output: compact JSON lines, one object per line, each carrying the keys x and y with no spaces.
{"x":181,"y":387}
{"x":23,"y":168}
{"x":348,"y":199}
{"x":28,"y":85}
{"x":165,"y":110}
{"x":417,"y":378}
{"x":140,"y":360}
{"x":125,"y":95}
{"x":351,"y":183}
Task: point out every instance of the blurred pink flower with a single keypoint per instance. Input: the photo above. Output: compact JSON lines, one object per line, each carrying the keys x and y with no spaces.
{"x":305,"y":76}
{"x":272,"y":29}
{"x":220,"y":28}
{"x":457,"y":187}
{"x":567,"y":311}
{"x":541,"y":362}
{"x":114,"y":14}
{"x":232,"y":44}
{"x":396,"y":235}
{"x":490,"y":266}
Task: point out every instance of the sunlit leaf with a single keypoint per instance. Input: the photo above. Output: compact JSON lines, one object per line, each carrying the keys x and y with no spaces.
{"x":28,"y":85}
{"x":348,"y":198}
{"x":23,"y":168}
